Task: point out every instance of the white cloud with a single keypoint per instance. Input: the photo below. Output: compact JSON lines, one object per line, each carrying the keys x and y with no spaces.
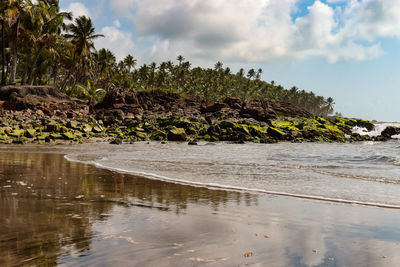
{"x":115,"y":40}
{"x":260,"y":30}
{"x":78,"y":9}
{"x":116,"y":23}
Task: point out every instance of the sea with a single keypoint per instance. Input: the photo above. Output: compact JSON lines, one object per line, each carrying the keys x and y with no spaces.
{"x":362,"y":173}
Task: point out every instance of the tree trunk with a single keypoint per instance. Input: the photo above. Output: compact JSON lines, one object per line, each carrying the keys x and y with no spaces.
{"x":14,"y":51}
{"x":55,"y":73}
{"x":3,"y":55}
{"x":33,"y":68}
{"x":26,"y":68}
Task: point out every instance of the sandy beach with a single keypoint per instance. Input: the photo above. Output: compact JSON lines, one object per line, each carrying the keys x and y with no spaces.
{"x":55,"y":212}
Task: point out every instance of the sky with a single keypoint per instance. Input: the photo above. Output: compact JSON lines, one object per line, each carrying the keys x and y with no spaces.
{"x":345,"y":49}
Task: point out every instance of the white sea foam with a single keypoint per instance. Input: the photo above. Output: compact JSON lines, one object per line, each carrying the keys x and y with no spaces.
{"x":379,"y":127}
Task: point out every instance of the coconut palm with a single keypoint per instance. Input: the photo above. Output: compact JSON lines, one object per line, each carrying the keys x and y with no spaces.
{"x":82,"y":34}
{"x":129,"y":62}
{"x":43,"y":29}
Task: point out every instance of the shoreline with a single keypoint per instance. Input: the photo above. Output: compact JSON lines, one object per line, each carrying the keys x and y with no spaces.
{"x":213,"y":186}
{"x":149,"y":222}
{"x":67,"y":149}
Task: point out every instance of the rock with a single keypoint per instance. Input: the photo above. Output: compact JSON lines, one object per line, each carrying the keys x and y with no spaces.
{"x":86,"y":128}
{"x":192,"y":143}
{"x":116,"y":141}
{"x":381,"y":138}
{"x":73,"y":125}
{"x":63,"y":129}
{"x":97,"y":129}
{"x":141,"y":135}
{"x":40,"y":113}
{"x":390,"y":131}
{"x":69,"y":136}
{"x":53,"y":127}
{"x":17,"y":133}
{"x":217,"y":106}
{"x":56,"y":136}
{"x":177,"y":134}
{"x":276,"y":133}
{"x":30,"y":133}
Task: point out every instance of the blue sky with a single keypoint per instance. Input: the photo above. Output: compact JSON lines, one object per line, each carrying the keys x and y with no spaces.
{"x":346,"y":49}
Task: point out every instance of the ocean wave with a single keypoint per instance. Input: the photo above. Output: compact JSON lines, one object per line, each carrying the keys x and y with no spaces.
{"x":217,"y":186}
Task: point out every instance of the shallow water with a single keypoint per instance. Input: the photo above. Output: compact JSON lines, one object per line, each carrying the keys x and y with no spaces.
{"x":365,"y":173}
{"x":56,"y":212}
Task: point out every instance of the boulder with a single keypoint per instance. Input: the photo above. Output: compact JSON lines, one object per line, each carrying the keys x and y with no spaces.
{"x":390,"y":131}
{"x":177,"y":134}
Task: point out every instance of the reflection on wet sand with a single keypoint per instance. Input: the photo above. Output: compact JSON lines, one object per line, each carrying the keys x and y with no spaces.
{"x":48,"y":205}
{"x":55,"y":212}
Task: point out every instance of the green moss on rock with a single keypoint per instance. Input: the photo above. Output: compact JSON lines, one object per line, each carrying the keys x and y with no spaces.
{"x":177,"y":134}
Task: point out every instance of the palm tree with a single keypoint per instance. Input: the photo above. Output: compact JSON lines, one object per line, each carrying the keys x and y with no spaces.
{"x":106,"y":61}
{"x":218,"y":66}
{"x":43,"y":29}
{"x":129,"y":62}
{"x":82,"y":34}
{"x":180,"y":58}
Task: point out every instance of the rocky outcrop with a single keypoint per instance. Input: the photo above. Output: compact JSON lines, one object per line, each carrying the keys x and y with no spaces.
{"x":41,"y":101}
{"x":43,"y":114}
{"x":157,"y":103}
{"x":390,"y":131}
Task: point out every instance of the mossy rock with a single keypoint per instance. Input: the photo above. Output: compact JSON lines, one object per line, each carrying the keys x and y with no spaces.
{"x":333,"y":128}
{"x":321,"y":120}
{"x":191,"y":131}
{"x":227,"y":124}
{"x":4,"y":137}
{"x":69,"y":136}
{"x":274,"y":132}
{"x":86,"y":128}
{"x":158,"y":135}
{"x":176,"y":122}
{"x":42,"y":137}
{"x":30,"y":133}
{"x":7,"y":130}
{"x":73,"y":125}
{"x":211,"y":138}
{"x":116,"y":141}
{"x":97,"y":129}
{"x":389,"y":131}
{"x":17,"y":133}
{"x":141,"y":135}
{"x":366,"y":124}
{"x":52,"y":127}
{"x":281,"y":124}
{"x":177,"y":134}
{"x":56,"y":136}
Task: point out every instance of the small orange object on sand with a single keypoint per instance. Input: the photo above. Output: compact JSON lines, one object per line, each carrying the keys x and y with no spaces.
{"x":249,"y":254}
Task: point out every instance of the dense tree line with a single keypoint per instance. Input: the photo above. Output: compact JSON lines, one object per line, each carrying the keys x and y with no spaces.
{"x":42,"y":45}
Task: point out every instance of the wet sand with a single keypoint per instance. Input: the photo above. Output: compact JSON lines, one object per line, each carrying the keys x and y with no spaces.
{"x":55,"y":212}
